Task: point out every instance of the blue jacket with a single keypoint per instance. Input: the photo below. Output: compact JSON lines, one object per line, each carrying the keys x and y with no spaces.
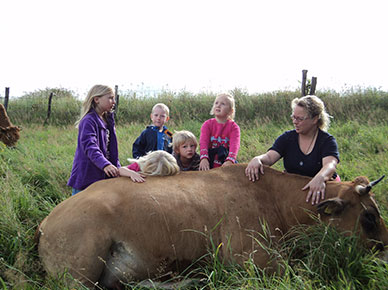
{"x":91,"y":155}
{"x":148,"y":141}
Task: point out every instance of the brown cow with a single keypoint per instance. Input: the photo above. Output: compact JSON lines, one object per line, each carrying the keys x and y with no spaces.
{"x":120,"y":230}
{"x":9,"y":134}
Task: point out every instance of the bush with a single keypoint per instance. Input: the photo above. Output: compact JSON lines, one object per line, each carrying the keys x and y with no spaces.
{"x":184,"y":107}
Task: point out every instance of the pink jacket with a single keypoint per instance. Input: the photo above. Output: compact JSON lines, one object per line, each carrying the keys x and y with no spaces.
{"x":214,"y":135}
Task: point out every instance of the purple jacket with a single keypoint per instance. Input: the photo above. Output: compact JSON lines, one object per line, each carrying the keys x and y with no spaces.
{"x":91,"y":153}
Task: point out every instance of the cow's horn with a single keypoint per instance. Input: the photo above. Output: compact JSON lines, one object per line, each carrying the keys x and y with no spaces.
{"x":373,"y":183}
{"x":365,"y":190}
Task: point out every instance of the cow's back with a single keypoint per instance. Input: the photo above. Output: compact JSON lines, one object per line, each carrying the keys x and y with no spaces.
{"x":186,"y":209}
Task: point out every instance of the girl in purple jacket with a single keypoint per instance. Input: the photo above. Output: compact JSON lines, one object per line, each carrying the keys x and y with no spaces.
{"x":96,"y":156}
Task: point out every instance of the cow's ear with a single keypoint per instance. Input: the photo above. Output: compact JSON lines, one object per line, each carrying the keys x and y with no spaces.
{"x":333,"y":206}
{"x":361,"y":180}
{"x":364,"y":190}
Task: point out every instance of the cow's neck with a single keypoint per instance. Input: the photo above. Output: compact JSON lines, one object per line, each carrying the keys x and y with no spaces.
{"x":290,"y":199}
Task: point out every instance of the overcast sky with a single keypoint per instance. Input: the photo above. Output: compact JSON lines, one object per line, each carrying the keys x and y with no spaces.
{"x":197,"y":45}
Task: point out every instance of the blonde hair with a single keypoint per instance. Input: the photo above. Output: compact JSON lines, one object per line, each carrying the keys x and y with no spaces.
{"x":231,"y":102}
{"x":314,"y":106}
{"x":181,"y":137}
{"x":157,"y":163}
{"x":95,"y":91}
{"x":163,"y":107}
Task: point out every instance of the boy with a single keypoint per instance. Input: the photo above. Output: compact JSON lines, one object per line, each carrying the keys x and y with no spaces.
{"x":156,"y":136}
{"x":184,"y":146}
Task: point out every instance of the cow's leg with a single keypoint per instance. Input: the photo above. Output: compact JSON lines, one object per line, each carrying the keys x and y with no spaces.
{"x":263,"y":260}
{"x":90,"y":257}
{"x":125,"y":263}
{"x":80,"y":254}
{"x":250,"y":246}
{"x":121,"y":263}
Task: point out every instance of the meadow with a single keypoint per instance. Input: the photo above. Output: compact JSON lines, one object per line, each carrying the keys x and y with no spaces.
{"x":33,"y":178}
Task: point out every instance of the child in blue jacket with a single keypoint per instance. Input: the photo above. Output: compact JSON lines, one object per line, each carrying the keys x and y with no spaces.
{"x":156,"y":136}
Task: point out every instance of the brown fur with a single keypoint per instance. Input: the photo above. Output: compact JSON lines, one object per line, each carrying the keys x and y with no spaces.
{"x":151,"y":228}
{"x":9,"y":134}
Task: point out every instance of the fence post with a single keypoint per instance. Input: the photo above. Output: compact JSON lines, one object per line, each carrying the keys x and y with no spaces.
{"x":117,"y":101}
{"x":49,"y":109}
{"x":313,"y":85}
{"x":304,"y":79}
{"x":6,"y":98}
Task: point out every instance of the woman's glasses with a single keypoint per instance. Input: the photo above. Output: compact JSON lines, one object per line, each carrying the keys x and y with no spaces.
{"x":298,"y":119}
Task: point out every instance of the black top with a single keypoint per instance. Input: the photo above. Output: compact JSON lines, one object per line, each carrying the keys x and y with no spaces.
{"x":295,"y":161}
{"x":194,"y":164}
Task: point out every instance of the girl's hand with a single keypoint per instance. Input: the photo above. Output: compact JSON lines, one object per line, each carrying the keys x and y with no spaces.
{"x":204,"y":165}
{"x":111,"y":171}
{"x":137,"y":177}
{"x":227,"y":163}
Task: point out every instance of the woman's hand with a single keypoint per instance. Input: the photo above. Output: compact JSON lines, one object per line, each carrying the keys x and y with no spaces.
{"x":111,"y":171}
{"x":204,"y":165}
{"x":255,"y":166}
{"x":316,"y":187}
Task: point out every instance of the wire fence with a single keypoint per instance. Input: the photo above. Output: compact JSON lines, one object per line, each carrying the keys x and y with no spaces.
{"x":62,"y":106}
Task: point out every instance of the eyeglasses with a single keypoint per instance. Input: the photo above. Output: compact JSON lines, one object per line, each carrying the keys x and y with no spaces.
{"x":298,"y":119}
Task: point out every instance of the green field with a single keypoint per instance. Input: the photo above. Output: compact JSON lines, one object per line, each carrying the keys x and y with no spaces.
{"x":33,"y":180}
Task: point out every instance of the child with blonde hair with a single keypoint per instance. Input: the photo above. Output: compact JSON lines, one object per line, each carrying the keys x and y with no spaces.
{"x":96,"y":156}
{"x":220,"y":136}
{"x":155,"y":136}
{"x":184,"y":145}
{"x":154,"y":163}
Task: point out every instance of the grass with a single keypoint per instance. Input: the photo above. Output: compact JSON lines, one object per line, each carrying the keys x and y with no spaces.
{"x":367,"y":106}
{"x":33,"y":180}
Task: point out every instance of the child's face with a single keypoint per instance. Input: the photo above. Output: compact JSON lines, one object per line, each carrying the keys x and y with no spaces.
{"x":221,"y":107}
{"x":105,"y":103}
{"x":187,"y":149}
{"x":159,"y":117}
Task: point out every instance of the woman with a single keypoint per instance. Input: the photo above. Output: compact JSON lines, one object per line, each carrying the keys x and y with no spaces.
{"x":307,"y":150}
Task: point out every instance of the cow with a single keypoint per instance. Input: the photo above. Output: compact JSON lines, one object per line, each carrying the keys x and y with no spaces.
{"x":9,"y":134}
{"x":117,"y":230}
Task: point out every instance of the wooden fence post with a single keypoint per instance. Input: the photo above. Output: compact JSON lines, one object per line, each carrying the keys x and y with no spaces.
{"x":308,"y":89}
{"x":49,"y":109}
{"x":313,"y":85}
{"x":117,"y":100}
{"x":304,"y":79}
{"x":6,"y":98}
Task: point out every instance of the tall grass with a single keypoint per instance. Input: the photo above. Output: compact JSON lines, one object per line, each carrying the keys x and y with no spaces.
{"x":363,"y":105}
{"x":33,"y":180}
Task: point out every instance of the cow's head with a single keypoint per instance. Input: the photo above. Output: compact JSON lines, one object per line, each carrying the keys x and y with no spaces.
{"x":354,"y":209}
{"x":9,"y":135}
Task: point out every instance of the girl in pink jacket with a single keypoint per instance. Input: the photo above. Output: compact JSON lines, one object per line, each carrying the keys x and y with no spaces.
{"x":220,"y":136}
{"x":154,"y":163}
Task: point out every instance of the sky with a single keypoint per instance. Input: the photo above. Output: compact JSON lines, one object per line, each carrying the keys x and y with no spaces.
{"x":198,"y":46}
